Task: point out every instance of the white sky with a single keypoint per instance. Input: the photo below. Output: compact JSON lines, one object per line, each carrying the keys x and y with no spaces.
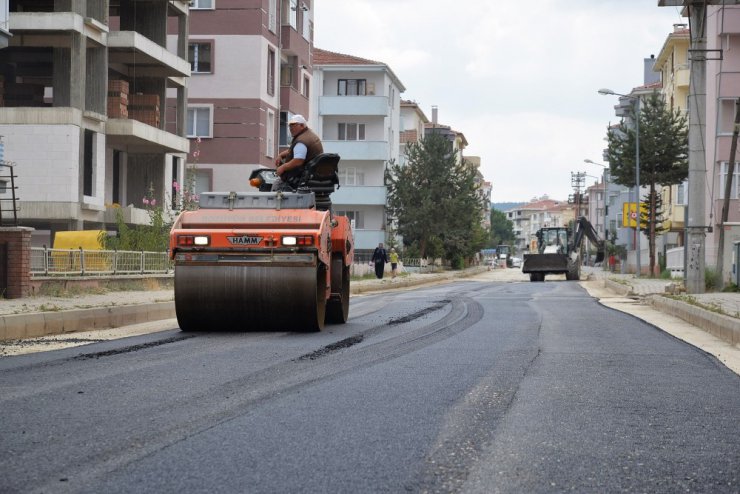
{"x":518,"y":78}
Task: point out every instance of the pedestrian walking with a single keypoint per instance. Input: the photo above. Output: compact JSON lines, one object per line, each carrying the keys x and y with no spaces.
{"x":380,"y":258}
{"x":394,"y":262}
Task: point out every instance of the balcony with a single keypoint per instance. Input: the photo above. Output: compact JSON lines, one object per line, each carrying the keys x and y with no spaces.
{"x":353,"y":105}
{"x":134,"y":55}
{"x":681,"y":77}
{"x":140,"y":138}
{"x":359,"y":150}
{"x":360,"y":195}
{"x":53,"y":29}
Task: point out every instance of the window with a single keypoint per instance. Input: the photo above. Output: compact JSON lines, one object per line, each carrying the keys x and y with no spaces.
{"x":199,"y":56}
{"x":726,"y":116}
{"x":284,"y":137}
{"x":351,"y":132}
{"x":351,"y":176}
{"x":286,"y":75}
{"x":681,"y":193}
{"x":306,"y":23}
{"x":293,"y":14}
{"x":306,"y":86}
{"x":351,"y":87}
{"x":272,"y":16}
{"x":355,"y":217}
{"x":270,"y":140}
{"x":270,"y":71}
{"x":200,"y":123}
{"x":202,"y":4}
{"x":723,"y":178}
{"x":88,"y":160}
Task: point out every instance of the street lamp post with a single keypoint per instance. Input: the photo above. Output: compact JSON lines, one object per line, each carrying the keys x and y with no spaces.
{"x":636,"y":99}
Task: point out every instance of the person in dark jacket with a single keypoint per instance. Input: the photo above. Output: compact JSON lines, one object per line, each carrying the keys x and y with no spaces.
{"x":380,"y":258}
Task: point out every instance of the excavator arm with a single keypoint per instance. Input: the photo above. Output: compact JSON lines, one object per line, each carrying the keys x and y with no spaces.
{"x":584,"y":227}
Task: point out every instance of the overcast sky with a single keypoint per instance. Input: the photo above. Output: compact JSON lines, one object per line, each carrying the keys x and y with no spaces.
{"x":518,"y":78}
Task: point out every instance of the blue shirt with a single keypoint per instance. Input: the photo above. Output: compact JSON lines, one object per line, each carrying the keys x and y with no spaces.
{"x":300,"y":151}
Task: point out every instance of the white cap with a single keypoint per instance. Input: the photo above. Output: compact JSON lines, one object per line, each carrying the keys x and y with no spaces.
{"x":297,"y":119}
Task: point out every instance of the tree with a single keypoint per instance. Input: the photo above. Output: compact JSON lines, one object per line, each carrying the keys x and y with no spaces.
{"x":436,"y":201}
{"x":502,"y":229}
{"x":664,"y":147}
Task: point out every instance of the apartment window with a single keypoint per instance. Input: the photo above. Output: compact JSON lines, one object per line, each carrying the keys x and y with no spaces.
{"x":200,"y":121}
{"x":726,"y":116}
{"x":272,"y":16}
{"x":286,"y":75}
{"x":355,"y":217}
{"x":202,"y":4}
{"x":284,"y":136}
{"x":351,"y":132}
{"x":200,"y":57}
{"x":351,"y":87}
{"x":270,"y":71}
{"x":306,"y":87}
{"x":88,"y":161}
{"x":270,"y":141}
{"x":306,"y":24}
{"x":293,"y":14}
{"x":351,"y":176}
{"x":681,"y":193}
{"x":723,"y":179}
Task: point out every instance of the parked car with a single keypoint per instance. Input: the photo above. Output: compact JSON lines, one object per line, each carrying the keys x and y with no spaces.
{"x":516,"y":262}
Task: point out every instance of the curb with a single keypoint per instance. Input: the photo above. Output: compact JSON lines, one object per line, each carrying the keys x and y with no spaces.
{"x":18,"y":326}
{"x":723,"y":327}
{"x":356,"y":289}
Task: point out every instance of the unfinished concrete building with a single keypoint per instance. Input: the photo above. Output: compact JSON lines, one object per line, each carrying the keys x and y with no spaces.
{"x":83,"y":88}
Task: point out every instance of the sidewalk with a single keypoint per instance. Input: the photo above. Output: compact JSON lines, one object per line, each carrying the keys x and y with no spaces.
{"x":716,"y":313}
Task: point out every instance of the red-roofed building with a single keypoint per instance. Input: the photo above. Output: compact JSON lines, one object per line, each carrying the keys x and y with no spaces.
{"x":358,"y":108}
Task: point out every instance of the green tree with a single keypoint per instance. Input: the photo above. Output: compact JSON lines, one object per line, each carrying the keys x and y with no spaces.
{"x":502,"y":229}
{"x":436,"y":201}
{"x":664,"y":146}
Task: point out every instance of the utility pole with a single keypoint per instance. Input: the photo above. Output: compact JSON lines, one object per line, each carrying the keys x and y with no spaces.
{"x":696,"y":224}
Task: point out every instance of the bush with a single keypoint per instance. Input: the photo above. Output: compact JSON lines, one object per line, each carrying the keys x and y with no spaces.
{"x":665,"y":274}
{"x":711,"y":278}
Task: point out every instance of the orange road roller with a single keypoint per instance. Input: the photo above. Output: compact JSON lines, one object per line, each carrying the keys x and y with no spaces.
{"x":272,"y":260}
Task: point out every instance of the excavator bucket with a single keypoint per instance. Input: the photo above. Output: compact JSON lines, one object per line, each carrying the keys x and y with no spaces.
{"x":545,"y":263}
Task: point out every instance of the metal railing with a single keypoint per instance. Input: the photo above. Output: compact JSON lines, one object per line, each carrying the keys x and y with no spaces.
{"x":79,"y":262}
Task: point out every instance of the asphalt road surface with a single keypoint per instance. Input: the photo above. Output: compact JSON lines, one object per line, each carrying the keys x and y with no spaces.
{"x":464,"y":387}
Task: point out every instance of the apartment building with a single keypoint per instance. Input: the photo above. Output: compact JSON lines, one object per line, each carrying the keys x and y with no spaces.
{"x":359,"y":107}
{"x":82,"y":109}
{"x":538,"y":213}
{"x":484,"y":190}
{"x":411,"y":127}
{"x":251,"y":71}
{"x":723,"y":90}
{"x":672,"y":63}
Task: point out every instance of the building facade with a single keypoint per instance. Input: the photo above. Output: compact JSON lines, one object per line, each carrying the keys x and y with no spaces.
{"x":251,"y":71}
{"x":358,"y":104}
{"x":83,"y":110}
